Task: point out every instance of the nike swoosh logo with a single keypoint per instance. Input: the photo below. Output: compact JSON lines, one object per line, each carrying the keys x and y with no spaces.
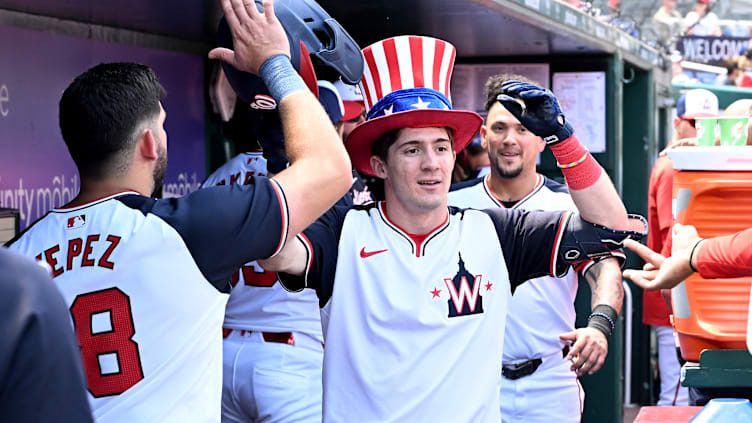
{"x":364,"y":253}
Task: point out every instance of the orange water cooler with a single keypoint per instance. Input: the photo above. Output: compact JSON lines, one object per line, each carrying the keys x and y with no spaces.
{"x":713,"y":192}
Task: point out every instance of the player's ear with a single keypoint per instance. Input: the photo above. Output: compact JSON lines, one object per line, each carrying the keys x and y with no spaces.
{"x":483,"y":141}
{"x":147,"y":145}
{"x":541,"y":145}
{"x":379,"y":166}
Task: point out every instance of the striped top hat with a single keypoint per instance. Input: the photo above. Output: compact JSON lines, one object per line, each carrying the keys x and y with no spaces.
{"x":406,"y":85}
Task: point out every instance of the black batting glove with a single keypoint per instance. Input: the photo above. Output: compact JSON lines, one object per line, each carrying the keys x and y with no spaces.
{"x":541,"y":115}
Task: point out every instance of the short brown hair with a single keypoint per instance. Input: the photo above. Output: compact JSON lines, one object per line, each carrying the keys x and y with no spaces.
{"x":382,"y":144}
{"x":493,"y":86}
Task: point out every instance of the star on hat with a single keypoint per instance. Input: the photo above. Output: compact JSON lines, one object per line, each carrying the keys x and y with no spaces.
{"x":406,"y":84}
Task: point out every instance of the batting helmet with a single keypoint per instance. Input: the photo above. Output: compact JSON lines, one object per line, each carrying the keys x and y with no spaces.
{"x":312,"y":34}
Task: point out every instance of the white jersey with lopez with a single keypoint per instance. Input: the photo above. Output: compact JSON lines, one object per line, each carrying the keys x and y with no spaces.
{"x":543,"y":308}
{"x":257,"y":302}
{"x":414,"y":324}
{"x":144,"y":281}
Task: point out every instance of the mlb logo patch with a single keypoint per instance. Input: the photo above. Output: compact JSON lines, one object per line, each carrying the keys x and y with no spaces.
{"x":76,"y":221}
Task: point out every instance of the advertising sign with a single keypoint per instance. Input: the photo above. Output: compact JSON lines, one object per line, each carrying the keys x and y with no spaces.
{"x":36,"y":172}
{"x":711,"y":50}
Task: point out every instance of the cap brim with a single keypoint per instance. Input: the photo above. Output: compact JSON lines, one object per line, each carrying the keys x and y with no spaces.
{"x":353,"y":109}
{"x":359,"y":143}
{"x":701,"y":114}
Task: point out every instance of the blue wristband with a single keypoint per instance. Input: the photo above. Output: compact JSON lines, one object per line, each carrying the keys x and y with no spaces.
{"x":280,"y":77}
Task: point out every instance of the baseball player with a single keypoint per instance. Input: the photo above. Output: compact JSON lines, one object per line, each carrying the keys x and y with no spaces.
{"x":41,"y":378}
{"x":352,"y":99}
{"x":693,"y":104}
{"x":144,"y":279}
{"x":538,"y":384}
{"x":414,"y":293}
{"x":353,"y":107}
{"x":273,"y":347}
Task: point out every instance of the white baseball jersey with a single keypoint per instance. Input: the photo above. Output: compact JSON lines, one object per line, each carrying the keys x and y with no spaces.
{"x":257,"y":301}
{"x":530,"y":335}
{"x":143,"y":281}
{"x":414,"y":324}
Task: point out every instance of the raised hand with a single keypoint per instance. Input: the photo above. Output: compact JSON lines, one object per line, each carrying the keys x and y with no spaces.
{"x":256,"y":36}
{"x":541,"y":113}
{"x":660,"y":272}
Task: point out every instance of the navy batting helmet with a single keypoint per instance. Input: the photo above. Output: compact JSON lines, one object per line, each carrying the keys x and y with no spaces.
{"x":312,"y":34}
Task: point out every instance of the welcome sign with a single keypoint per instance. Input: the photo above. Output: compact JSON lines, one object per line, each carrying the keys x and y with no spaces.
{"x":711,"y":50}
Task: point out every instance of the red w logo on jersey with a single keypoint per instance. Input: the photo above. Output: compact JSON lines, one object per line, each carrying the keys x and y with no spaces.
{"x":464,"y":300}
{"x":76,"y":221}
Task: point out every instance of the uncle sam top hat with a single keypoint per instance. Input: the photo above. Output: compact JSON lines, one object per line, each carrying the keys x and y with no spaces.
{"x":406,"y":85}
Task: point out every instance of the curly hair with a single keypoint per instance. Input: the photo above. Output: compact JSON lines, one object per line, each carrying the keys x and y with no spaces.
{"x":493,"y":86}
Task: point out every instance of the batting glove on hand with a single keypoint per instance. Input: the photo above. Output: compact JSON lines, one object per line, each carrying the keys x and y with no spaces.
{"x":542,"y":114}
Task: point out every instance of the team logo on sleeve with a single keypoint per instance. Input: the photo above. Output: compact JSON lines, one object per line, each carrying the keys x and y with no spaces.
{"x":464,"y":299}
{"x":263,"y":102}
{"x":76,"y":221}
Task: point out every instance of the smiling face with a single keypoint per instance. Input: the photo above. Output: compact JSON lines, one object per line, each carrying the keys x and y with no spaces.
{"x":417,"y":170}
{"x":512,"y":149}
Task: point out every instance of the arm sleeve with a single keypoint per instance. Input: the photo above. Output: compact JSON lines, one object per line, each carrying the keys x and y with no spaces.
{"x":227,"y":226}
{"x":726,"y":257}
{"x":530,"y":242}
{"x":546,"y":243}
{"x":321,"y":241}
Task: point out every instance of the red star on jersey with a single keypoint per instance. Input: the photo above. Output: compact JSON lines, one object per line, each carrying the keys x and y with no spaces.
{"x":488,"y":286}
{"x":435,"y":292}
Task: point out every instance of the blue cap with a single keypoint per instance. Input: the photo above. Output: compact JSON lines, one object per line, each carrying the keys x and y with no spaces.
{"x":330,"y":99}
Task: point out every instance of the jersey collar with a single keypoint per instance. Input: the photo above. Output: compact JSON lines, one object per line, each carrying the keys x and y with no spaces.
{"x":492,"y":196}
{"x":91,"y":203}
{"x":417,"y":242}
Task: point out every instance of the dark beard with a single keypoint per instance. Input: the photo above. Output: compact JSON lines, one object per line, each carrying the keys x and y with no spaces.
{"x":507,"y":174}
{"x":160,"y":168}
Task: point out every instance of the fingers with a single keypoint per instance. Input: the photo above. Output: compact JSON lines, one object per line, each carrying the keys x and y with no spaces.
{"x":643,"y":279}
{"x":230,"y":15}
{"x":532,"y":94}
{"x":223,"y":54}
{"x":589,"y":352}
{"x":576,"y":348}
{"x":569,"y":336}
{"x":645,"y":253}
{"x":269,"y":10}
{"x":510,"y":104}
{"x":597,"y":361}
{"x":240,"y":9}
{"x":515,"y":87}
{"x":580,"y":364}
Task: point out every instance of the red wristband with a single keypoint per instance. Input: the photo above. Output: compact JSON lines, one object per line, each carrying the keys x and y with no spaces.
{"x":582,"y":175}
